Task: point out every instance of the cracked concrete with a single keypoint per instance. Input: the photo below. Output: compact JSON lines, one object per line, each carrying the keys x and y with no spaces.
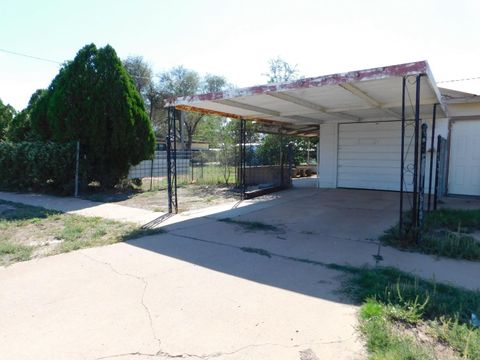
{"x":117,"y":302}
{"x":192,"y":293}
{"x":142,"y":300}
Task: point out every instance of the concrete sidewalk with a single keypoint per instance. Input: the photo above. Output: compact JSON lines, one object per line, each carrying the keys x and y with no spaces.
{"x":329,"y":225}
{"x":147,"y":218}
{"x":83,"y":207}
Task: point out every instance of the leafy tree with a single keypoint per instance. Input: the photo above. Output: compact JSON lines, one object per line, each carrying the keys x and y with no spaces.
{"x":20,"y":128}
{"x":94,"y":100}
{"x":209,"y":131}
{"x":281,"y":71}
{"x":180,"y":81}
{"x":268,"y":153}
{"x":142,"y":75}
{"x":7,"y":113}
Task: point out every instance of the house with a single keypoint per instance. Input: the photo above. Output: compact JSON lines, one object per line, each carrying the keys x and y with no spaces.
{"x":369,"y":124}
{"x":464,"y":138}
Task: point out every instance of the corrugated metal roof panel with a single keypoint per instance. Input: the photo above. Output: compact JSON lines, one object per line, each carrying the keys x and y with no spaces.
{"x":373,"y":94}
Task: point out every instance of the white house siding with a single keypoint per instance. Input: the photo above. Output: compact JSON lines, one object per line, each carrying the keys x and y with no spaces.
{"x":464,"y":174}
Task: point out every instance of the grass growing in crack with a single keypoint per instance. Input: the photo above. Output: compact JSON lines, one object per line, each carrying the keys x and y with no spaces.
{"x":29,"y":231}
{"x":257,"y":251}
{"x":251,"y":225}
{"x":397,"y":307}
{"x":446,"y":233}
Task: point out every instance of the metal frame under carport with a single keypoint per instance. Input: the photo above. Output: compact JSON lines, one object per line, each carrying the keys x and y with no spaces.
{"x":420,"y":149}
{"x":255,"y":103}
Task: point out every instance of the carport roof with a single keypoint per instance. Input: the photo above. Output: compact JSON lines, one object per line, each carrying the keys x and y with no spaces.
{"x":298,"y":107}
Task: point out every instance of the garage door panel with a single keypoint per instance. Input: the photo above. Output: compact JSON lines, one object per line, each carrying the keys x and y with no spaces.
{"x":349,"y":154}
{"x":369,"y":141}
{"x":464,"y":176}
{"x":369,"y":156}
{"x":357,"y":184}
{"x":370,"y":165}
{"x":378,"y":135}
{"x":373,"y":176}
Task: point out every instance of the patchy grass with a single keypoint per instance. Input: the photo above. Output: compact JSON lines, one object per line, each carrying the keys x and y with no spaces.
{"x":403,"y":317}
{"x":13,"y":252}
{"x":252,"y":225}
{"x":446,"y":233}
{"x":191,"y":197}
{"x":465,"y":221}
{"x":28,"y":232}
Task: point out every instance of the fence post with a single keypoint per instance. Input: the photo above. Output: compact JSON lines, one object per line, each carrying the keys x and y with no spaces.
{"x":191,"y":165}
{"x":290,"y":163}
{"x":77,"y":167}
{"x":151,"y":172}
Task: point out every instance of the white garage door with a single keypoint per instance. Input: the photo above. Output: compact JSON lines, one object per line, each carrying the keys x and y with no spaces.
{"x":369,"y":155}
{"x":464,"y":177}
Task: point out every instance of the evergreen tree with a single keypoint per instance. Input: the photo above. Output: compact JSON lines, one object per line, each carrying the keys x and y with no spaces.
{"x":20,"y":128}
{"x":94,"y":100}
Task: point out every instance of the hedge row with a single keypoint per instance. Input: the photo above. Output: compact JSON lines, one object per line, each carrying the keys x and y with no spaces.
{"x":37,"y":166}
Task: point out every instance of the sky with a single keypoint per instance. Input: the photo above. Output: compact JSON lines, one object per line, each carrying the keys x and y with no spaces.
{"x":236,"y":39}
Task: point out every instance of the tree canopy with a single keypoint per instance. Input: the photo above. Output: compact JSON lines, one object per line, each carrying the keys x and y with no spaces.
{"x":7,"y":113}
{"x":142,"y":74}
{"x":20,"y":128}
{"x":180,"y":81}
{"x":281,"y":71}
{"x":94,"y":100}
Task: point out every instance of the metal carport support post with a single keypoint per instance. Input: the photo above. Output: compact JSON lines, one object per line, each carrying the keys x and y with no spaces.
{"x":432,"y":144}
{"x":402,"y":158}
{"x":416,"y":155}
{"x":421,"y":184}
{"x":242,"y":154}
{"x":416,"y":163}
{"x":172,"y":160}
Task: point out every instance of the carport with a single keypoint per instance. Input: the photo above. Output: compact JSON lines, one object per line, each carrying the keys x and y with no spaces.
{"x":372,"y":125}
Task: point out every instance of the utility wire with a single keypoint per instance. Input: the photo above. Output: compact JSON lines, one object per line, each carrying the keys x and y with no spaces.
{"x":30,"y":56}
{"x":55,"y":62}
{"x":143,"y":77}
{"x":456,"y":80}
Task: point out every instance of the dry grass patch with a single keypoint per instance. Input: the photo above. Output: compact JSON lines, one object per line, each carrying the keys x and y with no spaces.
{"x":28,"y":232}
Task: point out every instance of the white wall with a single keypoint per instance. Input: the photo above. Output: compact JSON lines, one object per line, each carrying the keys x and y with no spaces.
{"x":327,"y":164}
{"x":328,"y":152}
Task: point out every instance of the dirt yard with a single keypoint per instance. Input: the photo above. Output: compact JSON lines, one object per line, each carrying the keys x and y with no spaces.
{"x":190,"y":197}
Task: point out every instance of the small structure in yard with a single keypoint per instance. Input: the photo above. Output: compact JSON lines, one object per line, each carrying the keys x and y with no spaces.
{"x":386,"y":128}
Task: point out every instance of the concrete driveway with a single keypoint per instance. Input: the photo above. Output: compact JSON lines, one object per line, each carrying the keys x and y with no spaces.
{"x":210,"y":289}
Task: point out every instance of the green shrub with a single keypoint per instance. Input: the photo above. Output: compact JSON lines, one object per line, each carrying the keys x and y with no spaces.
{"x":37,"y":166}
{"x":93,"y":100}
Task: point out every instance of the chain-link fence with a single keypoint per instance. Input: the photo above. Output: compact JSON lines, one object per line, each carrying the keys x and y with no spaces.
{"x":203,"y":167}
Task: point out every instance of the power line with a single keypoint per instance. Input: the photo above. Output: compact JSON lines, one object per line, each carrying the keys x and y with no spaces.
{"x":30,"y":56}
{"x":53,"y":61}
{"x":143,"y":77}
{"x":457,"y":80}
